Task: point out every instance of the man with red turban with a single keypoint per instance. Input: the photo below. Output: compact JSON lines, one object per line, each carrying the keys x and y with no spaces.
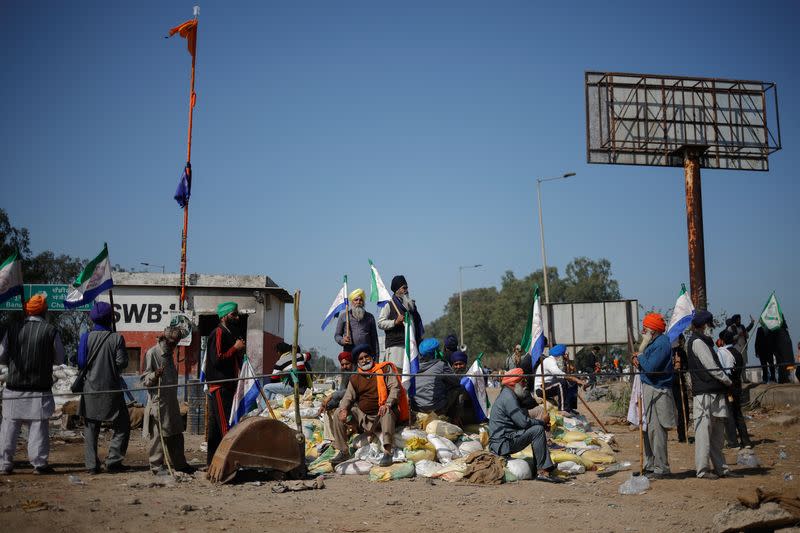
{"x":30,"y":350}
{"x":512,"y":430}
{"x":658,"y":404}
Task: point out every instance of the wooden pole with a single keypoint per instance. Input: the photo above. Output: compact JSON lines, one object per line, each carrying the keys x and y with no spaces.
{"x":544,"y":385}
{"x":683,"y":406}
{"x":297,"y":418}
{"x":185,"y":233}
{"x":641,"y":435}
{"x":111,"y":301}
{"x":347,"y":331}
{"x":586,"y":405}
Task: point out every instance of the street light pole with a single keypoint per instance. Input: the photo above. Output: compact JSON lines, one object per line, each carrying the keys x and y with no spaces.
{"x":162,"y":267}
{"x":460,"y":301}
{"x":541,"y":229}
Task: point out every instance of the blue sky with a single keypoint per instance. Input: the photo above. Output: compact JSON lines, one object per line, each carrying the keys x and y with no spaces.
{"x":411,"y":133}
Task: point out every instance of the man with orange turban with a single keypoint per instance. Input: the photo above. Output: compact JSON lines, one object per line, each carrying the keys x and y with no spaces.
{"x":658,"y":404}
{"x":512,"y":430}
{"x":30,"y":350}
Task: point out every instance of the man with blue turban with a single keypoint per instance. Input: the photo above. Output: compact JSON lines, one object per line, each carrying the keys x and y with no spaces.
{"x":437,"y":386}
{"x":558,"y":386}
{"x":103,"y":357}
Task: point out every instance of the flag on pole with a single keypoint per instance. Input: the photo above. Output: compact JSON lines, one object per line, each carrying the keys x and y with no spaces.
{"x":411,"y":360}
{"x":533,"y":338}
{"x":247,"y":393}
{"x":682,"y":315}
{"x":339,"y":304}
{"x":184,"y":190}
{"x":187,"y":30}
{"x":473,"y":382}
{"x":772,"y":316}
{"x":377,"y":292}
{"x":93,"y":280}
{"x":11,"y":277}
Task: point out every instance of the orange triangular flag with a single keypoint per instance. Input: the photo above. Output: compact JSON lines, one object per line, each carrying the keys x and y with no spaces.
{"x":187,"y":30}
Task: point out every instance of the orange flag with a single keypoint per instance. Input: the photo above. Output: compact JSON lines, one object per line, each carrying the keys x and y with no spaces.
{"x":187,"y":30}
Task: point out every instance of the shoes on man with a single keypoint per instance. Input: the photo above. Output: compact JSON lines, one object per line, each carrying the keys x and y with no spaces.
{"x":93,"y":471}
{"x":43,"y":470}
{"x":386,"y":460}
{"x":116,"y":468}
{"x":657,"y":475}
{"x":7,"y":470}
{"x":708,"y":475}
{"x":340,"y":457}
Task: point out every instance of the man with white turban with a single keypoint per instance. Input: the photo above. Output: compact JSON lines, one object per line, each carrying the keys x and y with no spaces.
{"x":360,"y":328}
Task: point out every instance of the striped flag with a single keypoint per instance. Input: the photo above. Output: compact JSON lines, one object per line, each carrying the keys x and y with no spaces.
{"x":91,"y":282}
{"x":533,"y":338}
{"x":339,"y":304}
{"x":772,"y":316}
{"x":411,"y":360}
{"x":473,"y":382}
{"x":247,"y":393}
{"x":11,"y":277}
{"x":682,"y":315}
{"x":377,"y":292}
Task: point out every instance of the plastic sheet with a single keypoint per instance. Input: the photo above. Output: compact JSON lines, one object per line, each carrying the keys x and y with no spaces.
{"x":354,"y":467}
{"x":446,"y":451}
{"x":571,"y":468}
{"x":427,"y":468}
{"x":635,"y":485}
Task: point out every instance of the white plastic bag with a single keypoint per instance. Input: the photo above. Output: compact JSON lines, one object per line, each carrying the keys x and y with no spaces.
{"x":354,"y":467}
{"x":373,"y":452}
{"x":446,"y":451}
{"x":635,"y":485}
{"x":443,"y":429}
{"x":571,"y":467}
{"x":469,"y":446}
{"x":427,"y":468}
{"x":409,"y":432}
{"x":520,"y":468}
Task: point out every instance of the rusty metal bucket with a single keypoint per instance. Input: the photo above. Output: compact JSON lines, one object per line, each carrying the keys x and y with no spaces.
{"x":258,"y":443}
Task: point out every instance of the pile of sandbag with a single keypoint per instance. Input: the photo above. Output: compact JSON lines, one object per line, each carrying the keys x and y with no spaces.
{"x":63,"y":377}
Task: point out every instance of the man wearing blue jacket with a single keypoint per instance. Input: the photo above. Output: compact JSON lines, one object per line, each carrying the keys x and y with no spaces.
{"x":658,"y":405}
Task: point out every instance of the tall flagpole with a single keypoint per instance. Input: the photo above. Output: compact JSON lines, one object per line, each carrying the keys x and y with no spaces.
{"x":184,"y":235}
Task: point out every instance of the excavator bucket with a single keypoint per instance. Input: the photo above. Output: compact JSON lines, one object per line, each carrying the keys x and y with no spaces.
{"x":261,"y":444}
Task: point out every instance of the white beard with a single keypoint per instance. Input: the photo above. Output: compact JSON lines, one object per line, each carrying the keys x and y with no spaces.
{"x":366,"y":366}
{"x":407,"y":302}
{"x":646,"y":339}
{"x":358,"y":313}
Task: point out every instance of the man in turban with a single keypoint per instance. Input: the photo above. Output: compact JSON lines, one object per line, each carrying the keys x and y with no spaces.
{"x":458,"y":361}
{"x":735,"y":423}
{"x":511,"y":429}
{"x":658,"y":403}
{"x":557,"y":385}
{"x":436,"y":386}
{"x":392,"y":321}
{"x":162,"y":415}
{"x":30,"y":350}
{"x":709,"y":408}
{"x":223,"y":361}
{"x":331,"y":403}
{"x":357,"y":326}
{"x":280,"y":381}
{"x":375,"y":401}
{"x":102,"y":355}
{"x":450,"y":347}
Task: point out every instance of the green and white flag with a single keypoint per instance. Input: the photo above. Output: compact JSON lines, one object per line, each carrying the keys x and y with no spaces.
{"x":10,"y":277}
{"x":377,"y":290}
{"x":91,"y":282}
{"x":772,"y":316}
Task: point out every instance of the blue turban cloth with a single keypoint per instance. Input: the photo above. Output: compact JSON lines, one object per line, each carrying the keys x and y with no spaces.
{"x":458,"y":356}
{"x":428,"y":347}
{"x":702,"y":317}
{"x":451,"y":343}
{"x":101,"y":312}
{"x":101,"y":315}
{"x":361,"y":348}
{"x":558,"y":350}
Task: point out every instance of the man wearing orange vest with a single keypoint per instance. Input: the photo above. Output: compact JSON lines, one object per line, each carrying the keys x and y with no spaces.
{"x":376,"y":401}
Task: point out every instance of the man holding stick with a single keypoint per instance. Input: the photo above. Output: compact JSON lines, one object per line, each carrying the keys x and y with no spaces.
{"x":658,"y":404}
{"x":392,"y":321}
{"x":357,"y":325}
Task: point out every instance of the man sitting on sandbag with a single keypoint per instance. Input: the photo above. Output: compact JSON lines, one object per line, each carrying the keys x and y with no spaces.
{"x":375,"y":401}
{"x":436,"y":386}
{"x":511,"y":429}
{"x":559,"y":387}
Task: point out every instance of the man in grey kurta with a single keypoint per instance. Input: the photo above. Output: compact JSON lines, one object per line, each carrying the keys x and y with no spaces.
{"x":104,"y":353}
{"x":709,"y":386}
{"x":162,"y":415}
{"x":30,"y":351}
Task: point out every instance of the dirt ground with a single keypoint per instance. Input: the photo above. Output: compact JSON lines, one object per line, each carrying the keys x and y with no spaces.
{"x":127,"y":502}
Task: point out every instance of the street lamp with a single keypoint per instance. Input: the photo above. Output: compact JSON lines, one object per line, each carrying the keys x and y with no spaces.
{"x":460,"y":305}
{"x":541,"y":227}
{"x":162,"y":267}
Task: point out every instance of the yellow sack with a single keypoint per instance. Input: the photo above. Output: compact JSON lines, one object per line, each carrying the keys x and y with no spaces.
{"x":572,"y":436}
{"x":560,"y":456}
{"x":396,"y":471}
{"x":598,"y":457}
{"x":287,"y":402}
{"x":423,"y":419}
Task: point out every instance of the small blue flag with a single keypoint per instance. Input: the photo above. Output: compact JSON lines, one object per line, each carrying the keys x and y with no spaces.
{"x":184,"y":190}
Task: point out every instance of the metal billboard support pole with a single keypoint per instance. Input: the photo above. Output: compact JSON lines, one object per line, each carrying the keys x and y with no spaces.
{"x":694,"y":226}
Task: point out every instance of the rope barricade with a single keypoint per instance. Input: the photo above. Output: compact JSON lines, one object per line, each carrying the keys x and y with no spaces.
{"x":295,"y":375}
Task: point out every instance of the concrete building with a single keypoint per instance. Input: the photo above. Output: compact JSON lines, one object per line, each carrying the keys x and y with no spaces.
{"x":145,"y":303}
